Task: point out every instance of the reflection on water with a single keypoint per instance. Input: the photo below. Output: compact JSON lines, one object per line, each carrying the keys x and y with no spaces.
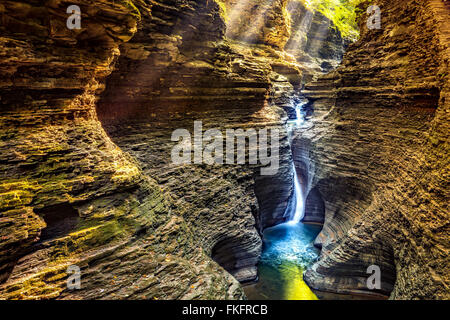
{"x":288,"y":250}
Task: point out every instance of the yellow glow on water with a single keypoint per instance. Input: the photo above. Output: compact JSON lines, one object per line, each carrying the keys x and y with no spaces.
{"x":284,"y":282}
{"x":287,"y":251}
{"x":295,"y":288}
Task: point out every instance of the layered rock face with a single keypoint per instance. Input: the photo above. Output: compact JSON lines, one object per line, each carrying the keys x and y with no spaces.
{"x":187,"y":71}
{"x":314,"y":42}
{"x":288,"y":25}
{"x":69,"y":195}
{"x":87,"y":118}
{"x":73,"y":193}
{"x":373,"y":156}
{"x":270,"y":21}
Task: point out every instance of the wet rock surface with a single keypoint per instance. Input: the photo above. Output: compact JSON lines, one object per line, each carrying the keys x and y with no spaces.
{"x":181,"y":77}
{"x":374,"y":150}
{"x":86,"y":121}
{"x":86,"y":172}
{"x":57,"y":158}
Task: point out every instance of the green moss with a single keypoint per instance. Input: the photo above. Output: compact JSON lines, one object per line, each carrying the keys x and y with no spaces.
{"x":343,"y":13}
{"x":16,"y":193}
{"x":134,"y":10}
{"x":222,"y":10}
{"x":46,"y":284}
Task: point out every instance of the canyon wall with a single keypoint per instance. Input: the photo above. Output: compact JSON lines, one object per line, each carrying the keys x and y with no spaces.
{"x":187,"y":71}
{"x":306,"y":35}
{"x":68,"y":194}
{"x":258,"y":22}
{"x":87,"y":118}
{"x":314,"y":41}
{"x":86,"y":176}
{"x":374,"y":157}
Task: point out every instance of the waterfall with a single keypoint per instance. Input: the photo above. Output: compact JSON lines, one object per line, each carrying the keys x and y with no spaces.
{"x":298,"y":113}
{"x":299,"y":116}
{"x":298,"y":214}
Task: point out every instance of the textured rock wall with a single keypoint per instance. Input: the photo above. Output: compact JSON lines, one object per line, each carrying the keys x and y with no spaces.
{"x":270,"y":21}
{"x":313,"y":41}
{"x":86,"y":172}
{"x":187,"y":71}
{"x":376,"y":145}
{"x":68,"y":194}
{"x":86,"y":176}
{"x":287,"y":25}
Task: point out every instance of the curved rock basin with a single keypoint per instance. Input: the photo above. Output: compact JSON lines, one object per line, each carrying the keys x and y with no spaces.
{"x":288,"y":250}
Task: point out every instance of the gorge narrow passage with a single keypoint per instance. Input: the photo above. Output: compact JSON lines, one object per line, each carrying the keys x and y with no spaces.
{"x":287,"y":251}
{"x":224,"y":150}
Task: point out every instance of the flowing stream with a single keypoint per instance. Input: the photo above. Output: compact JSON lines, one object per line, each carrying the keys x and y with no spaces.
{"x":287,"y":251}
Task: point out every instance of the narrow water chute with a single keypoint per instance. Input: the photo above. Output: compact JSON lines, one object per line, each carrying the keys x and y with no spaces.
{"x":299,"y":207}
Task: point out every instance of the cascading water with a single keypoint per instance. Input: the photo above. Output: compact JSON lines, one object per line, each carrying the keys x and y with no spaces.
{"x":299,"y":117}
{"x":298,"y":113}
{"x":298,"y":213}
{"x":288,"y":250}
